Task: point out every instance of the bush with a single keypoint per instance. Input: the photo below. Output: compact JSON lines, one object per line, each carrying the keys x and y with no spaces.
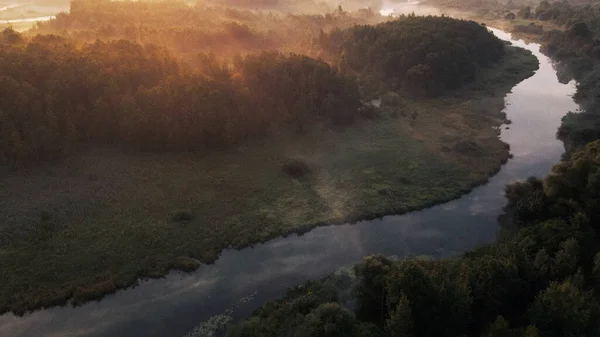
{"x":45,"y":216}
{"x":391,"y":99}
{"x":467,"y":147}
{"x":183,"y":216}
{"x":185,"y":264}
{"x":296,"y":168}
{"x":369,"y":112}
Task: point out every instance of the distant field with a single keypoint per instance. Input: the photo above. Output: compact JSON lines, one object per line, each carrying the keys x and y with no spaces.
{"x":95,"y":223}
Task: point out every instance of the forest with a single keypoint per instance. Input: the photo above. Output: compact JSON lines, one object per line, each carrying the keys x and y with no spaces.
{"x":424,"y":55}
{"x":55,"y":94}
{"x":539,"y":279}
{"x":64,"y":90}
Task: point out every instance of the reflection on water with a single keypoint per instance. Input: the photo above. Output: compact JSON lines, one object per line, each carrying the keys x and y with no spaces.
{"x":176,"y":304}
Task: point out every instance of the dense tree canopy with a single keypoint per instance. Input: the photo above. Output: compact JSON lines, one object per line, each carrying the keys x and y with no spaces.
{"x":426,"y":55}
{"x":55,"y":94}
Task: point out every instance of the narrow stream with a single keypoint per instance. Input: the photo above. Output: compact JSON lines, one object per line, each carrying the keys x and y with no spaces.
{"x":174,"y":305}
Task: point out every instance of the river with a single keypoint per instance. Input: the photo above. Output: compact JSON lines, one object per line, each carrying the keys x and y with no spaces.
{"x":173,"y":305}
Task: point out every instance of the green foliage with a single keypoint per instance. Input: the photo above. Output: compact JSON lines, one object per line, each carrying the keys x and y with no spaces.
{"x":500,"y":328}
{"x":318,"y":91}
{"x":400,"y":323}
{"x":566,"y":259}
{"x":424,"y":55}
{"x":143,"y":97}
{"x":296,"y":168}
{"x":574,"y":183}
{"x":564,"y":310}
{"x":526,"y":200}
{"x":183,"y":216}
{"x":370,"y":291}
{"x":328,"y":320}
{"x":10,"y":36}
{"x":596,"y":268}
{"x":531,"y":331}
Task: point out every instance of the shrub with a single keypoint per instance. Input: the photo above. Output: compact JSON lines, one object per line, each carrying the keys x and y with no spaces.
{"x":391,"y":99}
{"x":467,"y":147}
{"x":296,"y":168}
{"x":185,"y":264}
{"x":183,"y":216}
{"x":45,"y":216}
{"x":369,"y":112}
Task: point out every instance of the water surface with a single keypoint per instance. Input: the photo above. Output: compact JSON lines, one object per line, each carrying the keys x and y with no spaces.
{"x":174,"y":305}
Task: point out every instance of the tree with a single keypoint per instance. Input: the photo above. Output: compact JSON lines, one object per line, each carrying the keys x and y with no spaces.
{"x":496,"y":288}
{"x":411,"y":281}
{"x":418,"y":78}
{"x":408,"y":53}
{"x":543,"y":263}
{"x":400,"y":322}
{"x":10,"y":36}
{"x":500,"y":328}
{"x":596,"y":268}
{"x":525,"y":12}
{"x":531,"y":331}
{"x":329,"y":320}
{"x":544,"y":5}
{"x":565,"y":310}
{"x":579,"y":29}
{"x":526,"y":200}
{"x":567,"y":258}
{"x":371,"y":288}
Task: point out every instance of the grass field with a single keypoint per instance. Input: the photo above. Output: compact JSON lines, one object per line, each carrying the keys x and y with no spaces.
{"x":95,"y":223}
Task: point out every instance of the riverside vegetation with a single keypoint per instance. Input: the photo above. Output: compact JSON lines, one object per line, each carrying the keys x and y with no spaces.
{"x":125,"y":157}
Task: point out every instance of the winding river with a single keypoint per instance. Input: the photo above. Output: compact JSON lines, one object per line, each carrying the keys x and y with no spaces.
{"x":173,"y":305}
